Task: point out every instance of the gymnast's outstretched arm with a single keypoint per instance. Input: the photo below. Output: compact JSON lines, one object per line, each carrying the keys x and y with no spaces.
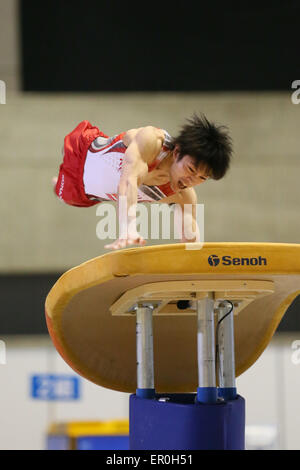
{"x":141,"y":151}
{"x":185,"y":214}
{"x":188,"y":203}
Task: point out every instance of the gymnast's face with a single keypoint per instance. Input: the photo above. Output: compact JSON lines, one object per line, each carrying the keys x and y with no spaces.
{"x":184,"y":172}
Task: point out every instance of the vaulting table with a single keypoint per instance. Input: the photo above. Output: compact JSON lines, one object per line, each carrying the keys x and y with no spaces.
{"x":174,"y":325}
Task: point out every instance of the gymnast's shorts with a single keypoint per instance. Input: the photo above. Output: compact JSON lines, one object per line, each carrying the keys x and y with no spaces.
{"x":69,"y":187}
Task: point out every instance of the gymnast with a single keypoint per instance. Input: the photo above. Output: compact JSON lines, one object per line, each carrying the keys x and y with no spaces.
{"x":141,"y":165}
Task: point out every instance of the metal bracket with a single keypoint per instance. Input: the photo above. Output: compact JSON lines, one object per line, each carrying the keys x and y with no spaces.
{"x":163,"y":296}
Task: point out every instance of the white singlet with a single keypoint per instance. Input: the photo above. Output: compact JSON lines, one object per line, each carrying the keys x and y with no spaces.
{"x":103,"y":166}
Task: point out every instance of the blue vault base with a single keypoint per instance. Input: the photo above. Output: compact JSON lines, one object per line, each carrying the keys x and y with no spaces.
{"x":178,"y":423}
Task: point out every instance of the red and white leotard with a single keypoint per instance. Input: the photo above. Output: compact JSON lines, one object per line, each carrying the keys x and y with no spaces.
{"x":102,"y":170}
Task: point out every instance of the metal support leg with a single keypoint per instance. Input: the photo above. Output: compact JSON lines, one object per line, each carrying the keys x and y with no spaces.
{"x":144,"y":350}
{"x":207,"y":391}
{"x":226,"y":358}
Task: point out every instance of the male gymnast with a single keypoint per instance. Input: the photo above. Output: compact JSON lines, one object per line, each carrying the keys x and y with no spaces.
{"x":142,"y":165}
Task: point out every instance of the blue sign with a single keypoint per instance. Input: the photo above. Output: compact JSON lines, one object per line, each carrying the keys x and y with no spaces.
{"x":55,"y":387}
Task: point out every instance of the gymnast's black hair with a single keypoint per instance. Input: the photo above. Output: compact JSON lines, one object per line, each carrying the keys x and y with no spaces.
{"x":210,"y":145}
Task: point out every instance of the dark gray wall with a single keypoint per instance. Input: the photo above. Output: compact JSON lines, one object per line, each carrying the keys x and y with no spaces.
{"x":107,"y":46}
{"x":23,"y":298}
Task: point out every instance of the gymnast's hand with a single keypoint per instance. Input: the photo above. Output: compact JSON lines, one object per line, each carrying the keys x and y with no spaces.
{"x":122,"y":242}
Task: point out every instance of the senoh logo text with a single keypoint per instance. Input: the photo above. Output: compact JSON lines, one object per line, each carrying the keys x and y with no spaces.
{"x":215,"y":260}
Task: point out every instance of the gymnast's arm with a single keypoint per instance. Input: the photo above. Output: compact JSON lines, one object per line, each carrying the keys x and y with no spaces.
{"x":185,"y":214}
{"x":142,"y":150}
